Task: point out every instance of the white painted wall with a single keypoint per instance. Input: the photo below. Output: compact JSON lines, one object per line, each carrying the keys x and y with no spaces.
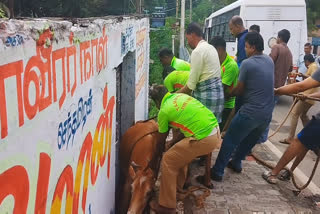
{"x":54,"y":75}
{"x":142,"y":68}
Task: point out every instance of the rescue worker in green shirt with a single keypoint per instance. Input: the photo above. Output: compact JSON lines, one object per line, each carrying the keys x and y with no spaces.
{"x":201,"y":136}
{"x":176,"y":80}
{"x":167,"y":59}
{"x":229,"y":76}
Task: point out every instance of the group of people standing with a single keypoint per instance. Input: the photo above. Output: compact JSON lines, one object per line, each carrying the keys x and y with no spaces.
{"x":198,"y":99}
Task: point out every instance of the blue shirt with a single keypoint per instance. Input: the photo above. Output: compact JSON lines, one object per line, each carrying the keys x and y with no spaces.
{"x":257,"y":74}
{"x":241,"y":52}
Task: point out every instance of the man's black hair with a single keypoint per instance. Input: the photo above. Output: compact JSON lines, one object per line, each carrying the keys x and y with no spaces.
{"x":218,"y":42}
{"x":309,"y":58}
{"x":308,"y":44}
{"x":194,"y":28}
{"x":256,"y":40}
{"x":284,"y":35}
{"x":255,"y":28}
{"x":165,"y":52}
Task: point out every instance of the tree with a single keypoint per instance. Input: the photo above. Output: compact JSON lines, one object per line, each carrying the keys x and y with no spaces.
{"x":313,"y":13}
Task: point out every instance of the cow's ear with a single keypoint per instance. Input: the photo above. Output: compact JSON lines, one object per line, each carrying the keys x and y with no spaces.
{"x":132,"y":173}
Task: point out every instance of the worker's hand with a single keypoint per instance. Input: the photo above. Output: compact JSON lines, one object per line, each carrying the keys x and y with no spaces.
{"x":303,"y":75}
{"x":301,"y":97}
{"x":276,"y":91}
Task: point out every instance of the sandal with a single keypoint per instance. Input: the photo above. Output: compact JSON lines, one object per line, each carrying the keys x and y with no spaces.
{"x":284,"y":141}
{"x":284,"y":175}
{"x":269,"y":177}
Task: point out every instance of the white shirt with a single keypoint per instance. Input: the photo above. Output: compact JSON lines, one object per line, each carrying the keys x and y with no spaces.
{"x":205,"y":64}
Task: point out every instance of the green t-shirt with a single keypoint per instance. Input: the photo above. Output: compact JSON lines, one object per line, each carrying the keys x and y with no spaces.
{"x":180,"y":65}
{"x":229,"y":77}
{"x":176,"y":80}
{"x":187,"y":114}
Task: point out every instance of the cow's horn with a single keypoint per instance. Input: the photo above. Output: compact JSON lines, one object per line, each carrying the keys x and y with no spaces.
{"x":135,"y":166}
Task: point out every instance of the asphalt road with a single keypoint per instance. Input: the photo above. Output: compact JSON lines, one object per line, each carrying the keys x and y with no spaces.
{"x":279,"y":114}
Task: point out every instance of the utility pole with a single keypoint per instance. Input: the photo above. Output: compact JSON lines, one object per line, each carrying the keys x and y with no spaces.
{"x":190,"y":11}
{"x":173,"y":37}
{"x":138,"y":6}
{"x":177,"y":9}
{"x":141,"y":6}
{"x":183,"y":9}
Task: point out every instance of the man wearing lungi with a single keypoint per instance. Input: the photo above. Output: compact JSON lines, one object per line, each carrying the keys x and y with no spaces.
{"x":205,"y":77}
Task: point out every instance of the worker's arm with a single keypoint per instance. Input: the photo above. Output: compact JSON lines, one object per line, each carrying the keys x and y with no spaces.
{"x":229,"y":77}
{"x":274,"y":53}
{"x":304,"y":76}
{"x":163,"y":123}
{"x":315,"y":94}
{"x":226,"y":90}
{"x":297,"y":87}
{"x":237,"y":91}
{"x":185,"y":90}
{"x":195,"y":72}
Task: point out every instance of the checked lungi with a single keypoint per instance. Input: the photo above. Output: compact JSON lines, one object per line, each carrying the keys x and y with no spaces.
{"x":210,"y":94}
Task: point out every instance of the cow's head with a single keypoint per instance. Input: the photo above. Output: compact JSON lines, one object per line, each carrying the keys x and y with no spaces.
{"x":157,"y":92}
{"x":141,"y":187}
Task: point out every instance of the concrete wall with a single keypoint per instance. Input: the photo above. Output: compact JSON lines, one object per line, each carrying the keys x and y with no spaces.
{"x":58,"y":88}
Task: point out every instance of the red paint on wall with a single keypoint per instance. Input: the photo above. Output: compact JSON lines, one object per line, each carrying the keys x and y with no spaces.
{"x":43,"y":183}
{"x":9,"y":70}
{"x":15,"y":182}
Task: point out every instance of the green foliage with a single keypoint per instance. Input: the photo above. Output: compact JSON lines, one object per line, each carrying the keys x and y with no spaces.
{"x":2,"y":13}
{"x":313,"y":13}
{"x":202,"y":11}
{"x":159,"y":38}
{"x":69,"y":8}
{"x":153,"y":111}
{"x":4,"y":10}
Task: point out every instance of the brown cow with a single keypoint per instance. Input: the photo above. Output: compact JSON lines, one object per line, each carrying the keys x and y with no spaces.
{"x":140,"y":154}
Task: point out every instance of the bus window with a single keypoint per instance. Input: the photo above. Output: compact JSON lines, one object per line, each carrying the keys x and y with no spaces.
{"x":236,"y":11}
{"x":214,"y":21}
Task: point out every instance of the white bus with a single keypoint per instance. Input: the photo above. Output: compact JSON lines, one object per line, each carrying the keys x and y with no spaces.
{"x":271,"y":15}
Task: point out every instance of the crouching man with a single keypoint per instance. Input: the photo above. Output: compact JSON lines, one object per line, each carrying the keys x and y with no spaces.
{"x":201,"y":136}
